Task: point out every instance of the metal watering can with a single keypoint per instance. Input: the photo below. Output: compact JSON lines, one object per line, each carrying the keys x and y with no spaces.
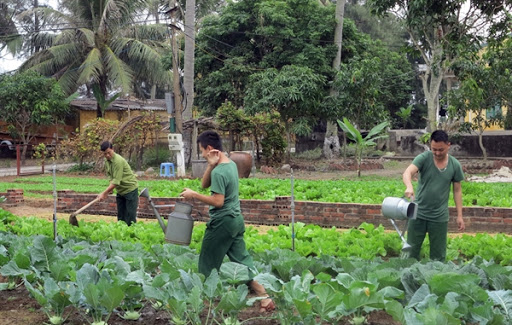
{"x":179,"y":224}
{"x":402,"y":209}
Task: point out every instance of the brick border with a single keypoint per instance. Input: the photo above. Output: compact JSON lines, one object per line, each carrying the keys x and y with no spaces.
{"x":278,"y":211}
{"x":13,"y":197}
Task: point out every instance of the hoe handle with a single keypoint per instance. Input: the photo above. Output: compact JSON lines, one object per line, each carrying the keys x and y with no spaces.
{"x":85,"y":206}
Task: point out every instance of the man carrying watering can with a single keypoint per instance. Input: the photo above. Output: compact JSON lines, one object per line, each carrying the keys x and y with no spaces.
{"x":225,"y":231}
{"x":437,"y":172}
{"x":124,"y":181}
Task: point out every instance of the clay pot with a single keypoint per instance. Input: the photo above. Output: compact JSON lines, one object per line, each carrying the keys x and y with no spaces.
{"x":243,"y":161}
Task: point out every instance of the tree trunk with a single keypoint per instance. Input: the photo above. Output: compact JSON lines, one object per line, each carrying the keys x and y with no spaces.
{"x":436,"y":63}
{"x":481,"y":144}
{"x":331,"y":141}
{"x":431,"y":84}
{"x":153,"y":92}
{"x":194,"y":141}
{"x":359,"y":158}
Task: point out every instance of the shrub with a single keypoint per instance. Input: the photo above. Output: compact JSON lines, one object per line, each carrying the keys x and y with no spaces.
{"x":314,"y":154}
{"x":81,"y":168}
{"x":153,"y":157}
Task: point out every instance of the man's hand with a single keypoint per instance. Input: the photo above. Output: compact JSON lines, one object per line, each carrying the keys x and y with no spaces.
{"x":103,"y":196}
{"x":407,"y":179}
{"x":460,"y":223}
{"x":409,"y":193}
{"x":213,"y":157}
{"x":188,"y":193}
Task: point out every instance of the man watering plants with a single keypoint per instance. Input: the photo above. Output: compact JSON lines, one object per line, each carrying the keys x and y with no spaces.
{"x":437,"y":172}
{"x":124,"y":181}
{"x":224,"y":233}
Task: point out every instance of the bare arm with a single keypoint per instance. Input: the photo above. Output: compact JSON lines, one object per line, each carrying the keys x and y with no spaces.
{"x":216,"y":199}
{"x":457,"y":197}
{"x":206,"y":181}
{"x":407,"y":179}
{"x":103,"y":195}
{"x":213,"y":159}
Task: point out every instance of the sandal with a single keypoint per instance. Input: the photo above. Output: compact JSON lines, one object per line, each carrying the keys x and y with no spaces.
{"x":268,"y":307}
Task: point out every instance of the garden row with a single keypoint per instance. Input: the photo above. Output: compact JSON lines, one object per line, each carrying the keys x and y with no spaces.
{"x":367,"y":191}
{"x":97,"y":276}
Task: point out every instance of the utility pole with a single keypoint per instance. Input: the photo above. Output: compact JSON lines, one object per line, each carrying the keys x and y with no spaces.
{"x":188,"y":73}
{"x":178,"y":109}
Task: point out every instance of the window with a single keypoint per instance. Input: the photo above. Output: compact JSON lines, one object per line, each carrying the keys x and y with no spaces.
{"x":494,"y":111}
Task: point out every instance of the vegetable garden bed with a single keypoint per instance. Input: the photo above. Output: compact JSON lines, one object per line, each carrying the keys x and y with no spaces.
{"x":314,"y":284}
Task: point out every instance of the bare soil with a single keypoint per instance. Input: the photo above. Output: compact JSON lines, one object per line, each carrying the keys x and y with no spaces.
{"x":18,"y":308}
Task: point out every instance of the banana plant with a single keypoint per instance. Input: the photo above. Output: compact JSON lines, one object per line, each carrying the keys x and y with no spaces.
{"x":362,"y":143}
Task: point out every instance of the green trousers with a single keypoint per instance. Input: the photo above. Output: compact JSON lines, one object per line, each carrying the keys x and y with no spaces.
{"x":127,"y":206}
{"x":437,"y":234}
{"x":224,"y":236}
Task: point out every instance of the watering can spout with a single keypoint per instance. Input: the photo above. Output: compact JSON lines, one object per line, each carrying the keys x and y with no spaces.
{"x":145,"y":193}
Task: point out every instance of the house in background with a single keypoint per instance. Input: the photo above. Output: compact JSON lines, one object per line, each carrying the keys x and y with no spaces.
{"x":489,"y":114}
{"x":119,"y":110}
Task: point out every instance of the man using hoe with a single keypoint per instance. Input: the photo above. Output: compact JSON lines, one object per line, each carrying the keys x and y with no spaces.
{"x":224,"y":233}
{"x":124,"y":181}
{"x":437,"y":172}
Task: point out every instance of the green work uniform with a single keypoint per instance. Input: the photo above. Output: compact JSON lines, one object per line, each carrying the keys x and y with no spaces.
{"x":224,"y":233}
{"x":432,"y":197}
{"x":121,"y":175}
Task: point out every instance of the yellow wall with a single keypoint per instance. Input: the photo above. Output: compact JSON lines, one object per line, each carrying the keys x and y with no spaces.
{"x":86,"y":117}
{"x":470,"y":116}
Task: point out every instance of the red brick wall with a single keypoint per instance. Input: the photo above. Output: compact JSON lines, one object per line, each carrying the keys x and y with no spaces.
{"x":14,"y":197}
{"x":277,"y":212}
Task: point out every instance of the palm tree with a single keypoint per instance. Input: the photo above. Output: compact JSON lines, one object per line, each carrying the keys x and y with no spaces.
{"x":100,"y":45}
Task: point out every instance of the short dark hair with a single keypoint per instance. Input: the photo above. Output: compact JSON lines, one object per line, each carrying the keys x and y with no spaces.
{"x":210,"y":138}
{"x":106,"y":145}
{"x":439,"y":136}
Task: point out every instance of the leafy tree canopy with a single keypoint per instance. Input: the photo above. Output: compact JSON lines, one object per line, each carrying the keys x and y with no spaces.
{"x":294,"y":91}
{"x":388,"y":29}
{"x":372,"y":87}
{"x":29,"y":101}
{"x":485,"y":84}
{"x":102,"y":45}
{"x":250,"y":36}
{"x":441,"y":31}
{"x":246,"y":54}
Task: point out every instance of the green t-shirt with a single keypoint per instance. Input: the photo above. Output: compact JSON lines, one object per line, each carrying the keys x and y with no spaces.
{"x":121,"y":174}
{"x":434,"y":186}
{"x":224,"y":180}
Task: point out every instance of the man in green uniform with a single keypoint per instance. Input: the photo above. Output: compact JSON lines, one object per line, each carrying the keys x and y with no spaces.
{"x":224,"y":233}
{"x":124,"y":181}
{"x":437,"y":172}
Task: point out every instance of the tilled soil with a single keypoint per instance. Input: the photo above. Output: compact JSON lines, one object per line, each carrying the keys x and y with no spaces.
{"x":19,"y":308}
